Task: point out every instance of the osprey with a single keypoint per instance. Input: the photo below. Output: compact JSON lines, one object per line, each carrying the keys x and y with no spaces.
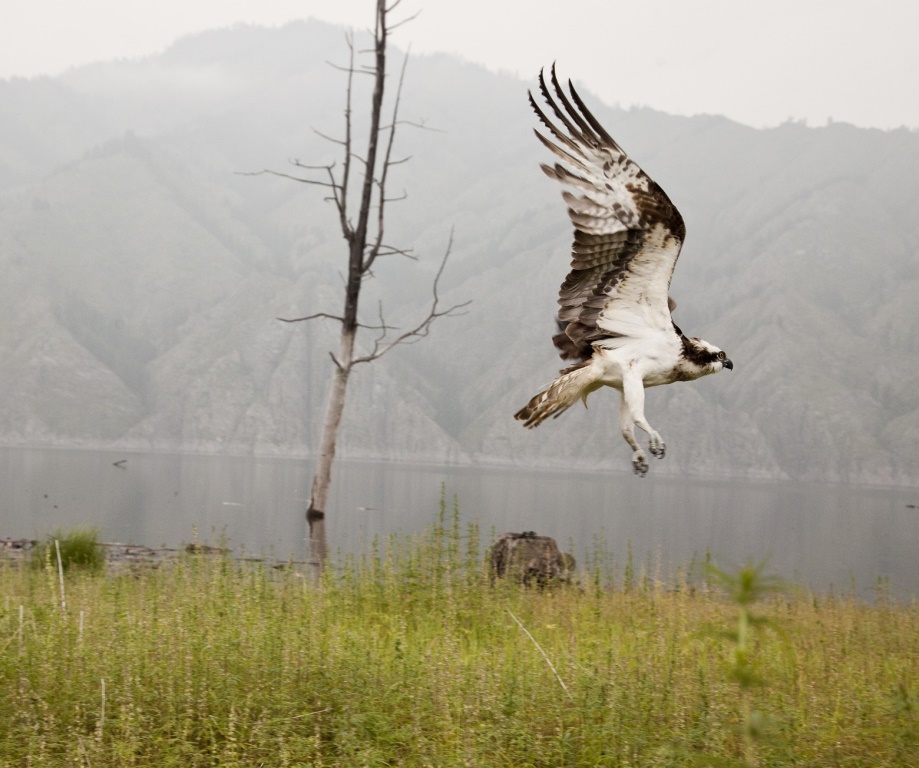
{"x":614,"y":320}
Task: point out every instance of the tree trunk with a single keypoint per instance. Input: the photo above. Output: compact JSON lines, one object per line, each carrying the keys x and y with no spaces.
{"x":322,"y":475}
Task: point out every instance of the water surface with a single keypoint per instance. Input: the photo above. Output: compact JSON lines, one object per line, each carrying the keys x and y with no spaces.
{"x":822,"y":536}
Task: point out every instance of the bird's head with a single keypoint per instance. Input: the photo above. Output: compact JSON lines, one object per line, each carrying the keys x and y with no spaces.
{"x":704,"y":358}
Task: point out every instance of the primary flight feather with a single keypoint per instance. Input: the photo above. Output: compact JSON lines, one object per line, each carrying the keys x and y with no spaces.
{"x":614,"y":316}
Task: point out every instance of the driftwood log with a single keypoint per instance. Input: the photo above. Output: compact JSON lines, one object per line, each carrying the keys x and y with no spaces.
{"x":530,"y":559}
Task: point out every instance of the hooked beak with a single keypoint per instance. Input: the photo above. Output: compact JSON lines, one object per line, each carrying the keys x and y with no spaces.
{"x":727,"y":364}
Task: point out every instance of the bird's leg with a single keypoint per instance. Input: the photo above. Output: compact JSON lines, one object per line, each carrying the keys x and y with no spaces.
{"x":627,"y":425}
{"x":633,"y":397}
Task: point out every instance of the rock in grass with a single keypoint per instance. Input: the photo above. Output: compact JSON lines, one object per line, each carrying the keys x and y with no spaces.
{"x":530,"y":559}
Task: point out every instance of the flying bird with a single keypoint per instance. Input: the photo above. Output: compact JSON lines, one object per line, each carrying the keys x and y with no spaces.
{"x":614,"y":321}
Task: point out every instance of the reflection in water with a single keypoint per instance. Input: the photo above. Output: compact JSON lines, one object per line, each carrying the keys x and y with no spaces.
{"x":813,"y":534}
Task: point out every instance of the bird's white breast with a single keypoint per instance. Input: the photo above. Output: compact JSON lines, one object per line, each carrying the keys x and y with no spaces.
{"x":654,"y":357}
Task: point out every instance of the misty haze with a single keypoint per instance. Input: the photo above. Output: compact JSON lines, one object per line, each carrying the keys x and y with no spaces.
{"x":142,"y":275}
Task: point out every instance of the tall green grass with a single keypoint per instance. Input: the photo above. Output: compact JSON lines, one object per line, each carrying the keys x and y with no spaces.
{"x":76,"y":548}
{"x":408,"y":656}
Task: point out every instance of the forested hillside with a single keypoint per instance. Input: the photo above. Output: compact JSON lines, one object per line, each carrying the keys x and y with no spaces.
{"x":142,"y":272}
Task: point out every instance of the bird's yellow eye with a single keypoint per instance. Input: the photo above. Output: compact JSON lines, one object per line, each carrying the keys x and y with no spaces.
{"x":721,"y":355}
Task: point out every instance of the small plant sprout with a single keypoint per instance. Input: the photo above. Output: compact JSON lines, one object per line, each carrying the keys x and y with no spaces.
{"x":745,"y":586}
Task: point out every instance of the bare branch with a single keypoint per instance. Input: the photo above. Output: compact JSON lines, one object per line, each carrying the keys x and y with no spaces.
{"x":285,"y":176}
{"x":311,"y":317}
{"x":338,"y":190}
{"x":340,"y":68}
{"x":338,"y":365}
{"x":387,"y":163}
{"x":390,"y":250}
{"x":404,"y":21}
{"x":382,"y":327}
{"x":321,"y":135}
{"x":325,"y":315}
{"x":328,"y":167}
{"x":341,"y":201}
{"x":355,"y":156}
{"x":421,"y":126}
{"x":423,"y":328}
{"x":357,"y":235}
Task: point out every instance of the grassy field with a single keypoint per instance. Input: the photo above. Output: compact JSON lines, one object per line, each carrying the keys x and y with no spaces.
{"x":410,"y":657}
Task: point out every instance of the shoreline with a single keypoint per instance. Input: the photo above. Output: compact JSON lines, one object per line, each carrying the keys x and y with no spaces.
{"x":120,"y":555}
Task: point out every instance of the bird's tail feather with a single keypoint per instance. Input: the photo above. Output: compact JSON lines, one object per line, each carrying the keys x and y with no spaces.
{"x":574,"y":384}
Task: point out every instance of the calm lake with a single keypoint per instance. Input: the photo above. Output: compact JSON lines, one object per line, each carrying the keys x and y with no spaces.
{"x":822,"y":536}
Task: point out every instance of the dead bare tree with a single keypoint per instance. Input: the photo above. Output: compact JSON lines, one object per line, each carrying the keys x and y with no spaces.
{"x":364,"y":235}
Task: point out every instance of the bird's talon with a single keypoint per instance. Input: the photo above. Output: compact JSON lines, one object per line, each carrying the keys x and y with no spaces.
{"x":640,"y":463}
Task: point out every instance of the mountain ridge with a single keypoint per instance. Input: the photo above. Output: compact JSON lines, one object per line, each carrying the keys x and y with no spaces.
{"x":142,"y":272}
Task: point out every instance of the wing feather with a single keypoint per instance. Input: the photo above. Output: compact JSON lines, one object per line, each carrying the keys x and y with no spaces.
{"x":627,"y":232}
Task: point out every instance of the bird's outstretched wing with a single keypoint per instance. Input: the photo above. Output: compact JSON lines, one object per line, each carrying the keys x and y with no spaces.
{"x":627,"y":233}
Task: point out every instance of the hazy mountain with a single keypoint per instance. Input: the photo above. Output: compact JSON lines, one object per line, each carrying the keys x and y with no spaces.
{"x":141,"y":274}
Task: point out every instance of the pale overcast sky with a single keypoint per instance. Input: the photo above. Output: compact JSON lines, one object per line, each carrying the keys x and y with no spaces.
{"x":759,"y":63}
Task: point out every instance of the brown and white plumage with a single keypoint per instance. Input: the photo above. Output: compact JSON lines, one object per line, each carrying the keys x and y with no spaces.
{"x":614,"y":316}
